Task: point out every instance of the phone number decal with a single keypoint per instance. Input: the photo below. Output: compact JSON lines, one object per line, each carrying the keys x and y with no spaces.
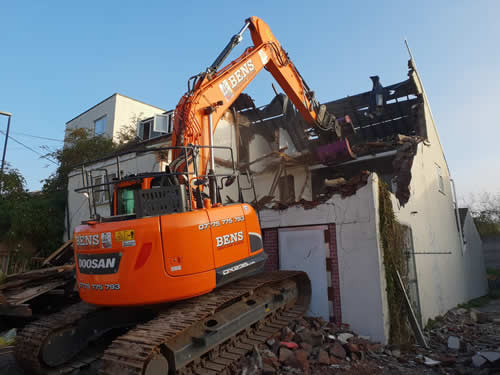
{"x":218,"y":223}
{"x":102,"y":287}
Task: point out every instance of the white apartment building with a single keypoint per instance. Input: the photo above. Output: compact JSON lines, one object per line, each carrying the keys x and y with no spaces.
{"x":117,"y":112}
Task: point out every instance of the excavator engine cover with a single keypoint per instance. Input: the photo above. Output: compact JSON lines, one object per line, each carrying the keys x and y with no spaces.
{"x":166,"y":258}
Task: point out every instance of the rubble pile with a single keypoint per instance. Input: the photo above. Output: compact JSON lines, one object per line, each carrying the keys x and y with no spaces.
{"x":462,"y":342}
{"x":17,"y":291}
{"x":467,"y":340}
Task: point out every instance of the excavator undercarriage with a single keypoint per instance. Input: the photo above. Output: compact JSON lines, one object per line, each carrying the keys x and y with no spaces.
{"x":202,"y":335}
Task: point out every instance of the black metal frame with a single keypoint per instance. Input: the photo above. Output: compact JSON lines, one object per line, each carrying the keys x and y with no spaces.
{"x":190,"y":154}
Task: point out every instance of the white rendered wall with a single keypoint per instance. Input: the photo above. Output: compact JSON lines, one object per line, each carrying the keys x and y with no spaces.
{"x":128,"y":111}
{"x":443,"y":279}
{"x":362,"y":277}
{"x":120,"y":111}
{"x":474,"y":267}
{"x":86,"y":120}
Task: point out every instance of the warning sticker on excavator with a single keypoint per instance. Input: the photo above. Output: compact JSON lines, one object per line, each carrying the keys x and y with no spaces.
{"x":124,"y":235}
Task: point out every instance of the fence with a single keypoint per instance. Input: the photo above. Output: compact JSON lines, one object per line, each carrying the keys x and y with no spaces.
{"x":10,"y":264}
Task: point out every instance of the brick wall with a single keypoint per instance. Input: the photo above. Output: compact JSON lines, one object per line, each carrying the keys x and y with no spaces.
{"x":271,"y":247}
{"x":332,"y":267}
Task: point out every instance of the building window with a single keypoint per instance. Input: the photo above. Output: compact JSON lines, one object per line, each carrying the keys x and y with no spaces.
{"x":440,"y":179}
{"x":155,"y":126}
{"x":100,"y":125}
{"x":101,"y":193}
{"x":147,"y":128}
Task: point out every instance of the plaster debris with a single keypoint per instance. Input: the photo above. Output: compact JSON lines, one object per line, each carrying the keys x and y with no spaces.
{"x":343,"y":337}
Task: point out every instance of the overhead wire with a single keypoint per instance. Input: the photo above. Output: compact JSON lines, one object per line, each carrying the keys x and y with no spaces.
{"x":38,"y":137}
{"x":31,"y":149}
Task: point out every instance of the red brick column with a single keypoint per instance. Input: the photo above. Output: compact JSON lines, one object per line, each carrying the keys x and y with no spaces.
{"x":271,"y":247}
{"x":332,"y":265}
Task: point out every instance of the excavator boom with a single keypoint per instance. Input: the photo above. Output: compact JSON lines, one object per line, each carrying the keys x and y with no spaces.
{"x":213,"y":92}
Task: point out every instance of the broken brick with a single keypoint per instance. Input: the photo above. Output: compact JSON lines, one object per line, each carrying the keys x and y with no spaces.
{"x":323,"y":357}
{"x":338,"y":350}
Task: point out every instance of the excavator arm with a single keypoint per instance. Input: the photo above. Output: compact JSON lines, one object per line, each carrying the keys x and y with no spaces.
{"x":213,"y":91}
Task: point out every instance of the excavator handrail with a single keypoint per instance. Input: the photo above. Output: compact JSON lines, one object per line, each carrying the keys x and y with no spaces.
{"x":90,"y":188}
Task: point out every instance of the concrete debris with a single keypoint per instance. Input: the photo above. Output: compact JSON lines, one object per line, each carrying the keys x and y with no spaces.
{"x":479,"y":316}
{"x":490,"y":356}
{"x":478,"y":361}
{"x":343,"y":337}
{"x":453,"y":343}
{"x":457,"y":345}
{"x":396,"y":353}
{"x":430,"y":362}
{"x":285,"y":354}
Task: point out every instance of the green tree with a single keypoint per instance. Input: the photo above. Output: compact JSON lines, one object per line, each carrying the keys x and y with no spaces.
{"x":79,"y":147}
{"x":39,"y":218}
{"x":29,"y":217}
{"x":485,"y":210}
{"x":13,"y":190}
{"x":12,"y":181}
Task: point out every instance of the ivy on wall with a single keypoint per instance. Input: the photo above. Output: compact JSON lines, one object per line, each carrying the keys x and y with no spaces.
{"x":392,"y":242}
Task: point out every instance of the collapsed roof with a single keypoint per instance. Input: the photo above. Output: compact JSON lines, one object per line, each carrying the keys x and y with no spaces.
{"x":388,"y":124}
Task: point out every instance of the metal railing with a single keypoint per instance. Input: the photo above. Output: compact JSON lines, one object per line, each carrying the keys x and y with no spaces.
{"x":189,"y":175}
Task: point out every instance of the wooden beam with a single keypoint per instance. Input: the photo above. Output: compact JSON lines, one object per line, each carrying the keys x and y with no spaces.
{"x":35,"y":291}
{"x":362,"y":100}
{"x":57,"y":252}
{"x":38,"y":274}
{"x":415,"y":325}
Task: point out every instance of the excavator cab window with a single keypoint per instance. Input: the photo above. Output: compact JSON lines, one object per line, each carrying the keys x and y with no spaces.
{"x":125,"y":204}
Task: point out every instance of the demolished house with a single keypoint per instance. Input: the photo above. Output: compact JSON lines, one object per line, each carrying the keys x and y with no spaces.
{"x":356,"y":215}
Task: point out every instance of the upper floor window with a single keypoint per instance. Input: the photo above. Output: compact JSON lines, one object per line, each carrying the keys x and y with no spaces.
{"x":156,"y":126}
{"x":440,"y":179}
{"x":100,"y":125}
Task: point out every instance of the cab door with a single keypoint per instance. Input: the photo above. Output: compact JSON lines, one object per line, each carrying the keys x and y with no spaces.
{"x":187,"y":243}
{"x":229,"y":235}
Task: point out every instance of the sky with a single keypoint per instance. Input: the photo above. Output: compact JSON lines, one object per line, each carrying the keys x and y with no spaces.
{"x":59,"y":58}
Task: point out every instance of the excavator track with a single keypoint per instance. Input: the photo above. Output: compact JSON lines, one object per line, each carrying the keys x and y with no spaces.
{"x":147,"y":349}
{"x":202,"y":335}
{"x":30,"y":341}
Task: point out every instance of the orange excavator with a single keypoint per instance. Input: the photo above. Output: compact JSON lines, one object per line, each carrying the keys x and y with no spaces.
{"x":172,"y":269}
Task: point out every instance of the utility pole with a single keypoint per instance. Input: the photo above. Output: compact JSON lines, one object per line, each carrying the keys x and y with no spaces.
{"x":9,"y":115}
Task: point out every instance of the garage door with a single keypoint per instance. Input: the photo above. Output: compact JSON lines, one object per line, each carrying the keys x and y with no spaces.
{"x":305,"y":249}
